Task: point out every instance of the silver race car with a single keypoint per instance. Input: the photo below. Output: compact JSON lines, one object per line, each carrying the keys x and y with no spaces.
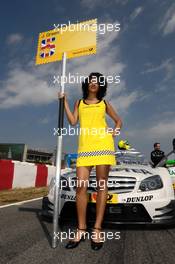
{"x":137,"y":192}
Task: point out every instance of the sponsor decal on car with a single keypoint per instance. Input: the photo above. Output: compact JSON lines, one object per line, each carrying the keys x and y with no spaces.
{"x":138,"y":199}
{"x":111,"y":198}
{"x":171,"y":171}
{"x":68,"y":197}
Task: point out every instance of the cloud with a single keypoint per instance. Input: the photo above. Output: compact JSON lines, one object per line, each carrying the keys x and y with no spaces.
{"x":142,"y":137}
{"x":167,"y":66}
{"x":137,"y":11}
{"x":44,"y":120}
{"x":130,"y":19}
{"x":25,"y":87}
{"x":167,"y":25}
{"x":108,"y":62}
{"x":163,"y":129}
{"x":14,"y":38}
{"x":33,"y":85}
{"x":124,"y":101}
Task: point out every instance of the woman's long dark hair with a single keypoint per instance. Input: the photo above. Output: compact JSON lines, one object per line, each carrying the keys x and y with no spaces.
{"x":101,"y":82}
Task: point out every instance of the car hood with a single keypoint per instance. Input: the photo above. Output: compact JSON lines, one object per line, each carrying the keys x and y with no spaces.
{"x":137,"y":171}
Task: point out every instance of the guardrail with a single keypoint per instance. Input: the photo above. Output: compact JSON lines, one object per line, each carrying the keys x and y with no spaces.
{"x":17,"y":174}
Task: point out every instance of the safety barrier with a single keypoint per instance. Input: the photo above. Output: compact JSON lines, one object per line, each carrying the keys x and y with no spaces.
{"x":16,"y":174}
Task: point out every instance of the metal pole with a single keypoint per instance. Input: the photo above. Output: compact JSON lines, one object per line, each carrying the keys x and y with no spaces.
{"x":58,"y":159}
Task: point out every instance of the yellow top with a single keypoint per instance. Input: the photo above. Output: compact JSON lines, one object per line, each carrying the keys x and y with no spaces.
{"x":95,"y":145}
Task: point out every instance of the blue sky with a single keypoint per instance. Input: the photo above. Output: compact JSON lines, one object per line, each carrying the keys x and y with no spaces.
{"x":142,"y":53}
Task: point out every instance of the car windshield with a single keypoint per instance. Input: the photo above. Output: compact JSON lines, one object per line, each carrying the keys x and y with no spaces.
{"x":130,"y":157}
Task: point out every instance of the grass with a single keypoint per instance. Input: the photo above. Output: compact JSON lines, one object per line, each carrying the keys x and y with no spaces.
{"x":21,"y":194}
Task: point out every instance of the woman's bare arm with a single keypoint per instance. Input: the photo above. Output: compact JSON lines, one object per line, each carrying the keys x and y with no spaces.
{"x":72,"y":117}
{"x":112,"y":113}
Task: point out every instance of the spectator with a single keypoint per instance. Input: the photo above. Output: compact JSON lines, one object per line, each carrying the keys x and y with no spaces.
{"x":156,"y":154}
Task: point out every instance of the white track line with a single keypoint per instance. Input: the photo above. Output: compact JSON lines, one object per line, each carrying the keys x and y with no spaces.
{"x":22,"y":202}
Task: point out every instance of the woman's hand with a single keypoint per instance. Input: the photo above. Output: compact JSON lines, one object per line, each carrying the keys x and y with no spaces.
{"x":72,"y":117}
{"x":60,"y":95}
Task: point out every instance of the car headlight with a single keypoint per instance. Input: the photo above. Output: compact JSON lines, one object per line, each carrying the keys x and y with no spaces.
{"x":151,"y":183}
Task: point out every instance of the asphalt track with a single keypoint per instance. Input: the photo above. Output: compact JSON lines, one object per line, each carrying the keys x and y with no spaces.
{"x":25,"y":238}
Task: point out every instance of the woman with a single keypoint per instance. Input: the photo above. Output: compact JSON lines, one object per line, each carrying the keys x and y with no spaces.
{"x":93,"y":150}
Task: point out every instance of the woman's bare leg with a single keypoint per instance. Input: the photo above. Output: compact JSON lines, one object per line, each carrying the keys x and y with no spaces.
{"x":82,"y":174}
{"x":102,"y":172}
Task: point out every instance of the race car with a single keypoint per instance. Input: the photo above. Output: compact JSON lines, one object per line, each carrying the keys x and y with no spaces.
{"x":137,"y":192}
{"x":170,"y":164}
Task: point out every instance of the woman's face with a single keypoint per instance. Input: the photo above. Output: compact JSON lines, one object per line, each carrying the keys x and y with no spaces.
{"x":93,"y":86}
